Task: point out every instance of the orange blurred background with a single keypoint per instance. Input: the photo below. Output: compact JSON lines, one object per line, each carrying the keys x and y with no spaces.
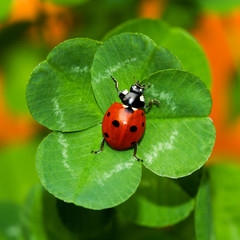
{"x":57,"y":23}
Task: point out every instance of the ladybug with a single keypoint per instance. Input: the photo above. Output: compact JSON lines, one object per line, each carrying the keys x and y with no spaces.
{"x":124,"y":124}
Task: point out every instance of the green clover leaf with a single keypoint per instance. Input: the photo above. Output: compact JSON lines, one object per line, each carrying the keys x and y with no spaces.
{"x":177,"y":40}
{"x":124,"y":57}
{"x":45,"y":217}
{"x":203,"y":212}
{"x":225,"y":193}
{"x":179,"y":136}
{"x":59,"y":92}
{"x":155,"y":203}
{"x":65,"y":96}
{"x":68,"y":170}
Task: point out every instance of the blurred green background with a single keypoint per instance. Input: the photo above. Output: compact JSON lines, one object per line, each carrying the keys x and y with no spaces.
{"x":29,"y":29}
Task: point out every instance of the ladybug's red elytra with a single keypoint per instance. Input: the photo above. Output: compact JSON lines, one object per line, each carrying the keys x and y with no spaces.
{"x":124,"y":124}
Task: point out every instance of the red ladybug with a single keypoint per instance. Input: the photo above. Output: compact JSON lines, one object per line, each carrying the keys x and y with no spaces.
{"x":124,"y":124}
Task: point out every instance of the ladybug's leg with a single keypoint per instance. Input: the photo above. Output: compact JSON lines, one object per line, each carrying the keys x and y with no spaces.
{"x":135,"y":152}
{"x":116,"y":84}
{"x":101,"y":149}
{"x":151,"y":102}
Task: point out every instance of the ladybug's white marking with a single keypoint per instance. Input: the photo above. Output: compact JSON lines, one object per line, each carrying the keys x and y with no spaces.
{"x":160,"y":147}
{"x":125,"y":92}
{"x":58,"y":113}
{"x":142,"y":98}
{"x":134,"y":109}
{"x":64,"y":146}
{"x":119,"y":167}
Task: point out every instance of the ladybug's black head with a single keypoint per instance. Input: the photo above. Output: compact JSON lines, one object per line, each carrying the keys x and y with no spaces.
{"x":137,"y":88}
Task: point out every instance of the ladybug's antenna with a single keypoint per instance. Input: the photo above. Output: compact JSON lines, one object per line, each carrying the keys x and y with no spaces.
{"x":141,"y":86}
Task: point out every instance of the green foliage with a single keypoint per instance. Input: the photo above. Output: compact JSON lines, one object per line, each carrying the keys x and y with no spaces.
{"x":126,"y":56}
{"x":69,"y":2}
{"x":185,"y":13}
{"x":68,"y":170}
{"x":5,"y":6}
{"x":17,"y":176}
{"x":45,"y":217}
{"x":157,"y":199}
{"x":10,"y":228}
{"x":32,"y":221}
{"x":177,"y":40}
{"x":220,"y":6}
{"x":225,"y":195}
{"x":203,"y":211}
{"x":184,"y":132}
{"x":100,"y":16}
{"x":234,"y":96}
{"x":181,"y":13}
{"x":71,"y":91}
{"x":190,"y":183}
{"x":17,"y":171}
{"x":18,"y":62}
{"x":158,"y":202}
{"x":59,"y":92}
{"x":133,"y":232}
{"x":85,"y":223}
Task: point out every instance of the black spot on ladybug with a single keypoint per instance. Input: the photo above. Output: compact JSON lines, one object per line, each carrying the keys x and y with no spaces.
{"x":133,"y":128}
{"x":133,"y":143}
{"x":129,"y":110}
{"x":106,"y":135}
{"x":143,"y":124}
{"x":142,"y":113}
{"x":115,"y":123}
{"x":108,"y":114}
